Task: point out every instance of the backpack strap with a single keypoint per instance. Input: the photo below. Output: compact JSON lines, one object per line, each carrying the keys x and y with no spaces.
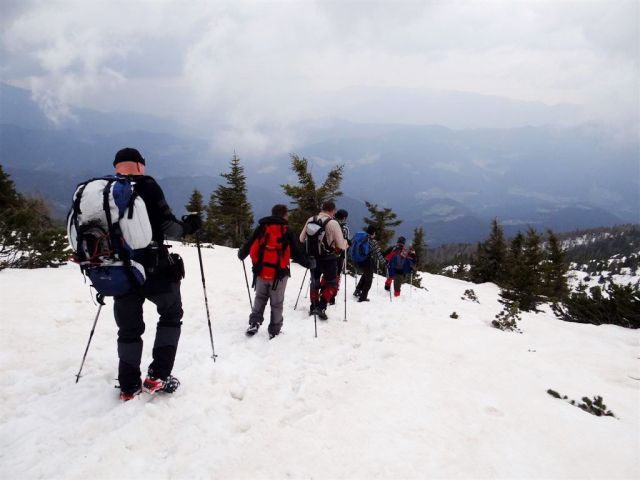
{"x":285,"y":244}
{"x":262,"y":245}
{"x":78,"y":199}
{"x":76,"y":211}
{"x":132,"y":200}
{"x":105,"y":204}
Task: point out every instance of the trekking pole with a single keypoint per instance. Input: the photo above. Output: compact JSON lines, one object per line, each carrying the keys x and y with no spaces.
{"x":313,"y":309}
{"x":206,"y":301}
{"x":246,"y":280}
{"x":100,"y":300}
{"x":306,"y":292}
{"x":345,"y":288}
{"x":301,"y":285}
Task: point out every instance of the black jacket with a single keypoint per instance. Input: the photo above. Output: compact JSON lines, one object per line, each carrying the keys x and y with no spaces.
{"x":297,"y":254}
{"x":163,"y":223}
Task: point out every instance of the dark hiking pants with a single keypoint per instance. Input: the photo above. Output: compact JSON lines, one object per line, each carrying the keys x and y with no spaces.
{"x":265,"y":293}
{"x":364,"y":284}
{"x":127,"y":309}
{"x":340,"y":269}
{"x":322,"y":292}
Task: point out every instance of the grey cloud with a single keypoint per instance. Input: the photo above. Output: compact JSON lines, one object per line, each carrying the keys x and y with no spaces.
{"x":253,"y":70}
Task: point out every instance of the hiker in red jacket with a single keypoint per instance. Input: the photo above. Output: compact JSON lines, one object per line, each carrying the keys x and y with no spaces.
{"x":271,"y":246}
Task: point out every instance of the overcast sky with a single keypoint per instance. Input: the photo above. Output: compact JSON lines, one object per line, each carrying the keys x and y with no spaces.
{"x":254,"y":63}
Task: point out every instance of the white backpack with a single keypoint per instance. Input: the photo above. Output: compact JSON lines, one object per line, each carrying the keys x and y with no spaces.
{"x":106,"y":223}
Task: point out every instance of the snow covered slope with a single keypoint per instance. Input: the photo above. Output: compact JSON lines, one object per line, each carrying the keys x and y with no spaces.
{"x":401,"y":390}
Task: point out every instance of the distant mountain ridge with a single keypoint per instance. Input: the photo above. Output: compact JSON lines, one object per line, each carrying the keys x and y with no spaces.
{"x":451,"y":182}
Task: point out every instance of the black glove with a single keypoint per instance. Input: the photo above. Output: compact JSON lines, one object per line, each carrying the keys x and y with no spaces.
{"x":191,"y":223}
{"x":312,"y":263}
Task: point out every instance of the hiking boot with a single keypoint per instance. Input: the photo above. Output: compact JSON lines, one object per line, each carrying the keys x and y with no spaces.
{"x":363,"y":300}
{"x":357,"y":293}
{"x":396,"y":294}
{"x":322,"y":314}
{"x":126,"y":396}
{"x":252,"y":330}
{"x":168,"y":385}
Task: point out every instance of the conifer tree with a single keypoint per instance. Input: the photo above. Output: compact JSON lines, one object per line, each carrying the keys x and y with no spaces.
{"x":555,"y":270}
{"x":384,"y":220}
{"x":195,"y":203}
{"x":8,"y":195}
{"x":29,"y":238}
{"x":490,"y":257}
{"x":420,"y":247}
{"x":524,"y":278}
{"x":211,"y":231}
{"x":306,"y":195}
{"x":194,"y":206}
{"x":515,"y":266}
{"x":230,"y":211}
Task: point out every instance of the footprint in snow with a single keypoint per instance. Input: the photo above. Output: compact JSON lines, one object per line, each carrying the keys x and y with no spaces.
{"x":493,"y":411}
{"x":296,"y":416}
{"x":237,"y":392}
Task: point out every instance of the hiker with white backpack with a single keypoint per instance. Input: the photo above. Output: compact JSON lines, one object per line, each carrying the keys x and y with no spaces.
{"x":117,"y":229}
{"x":324,"y":241}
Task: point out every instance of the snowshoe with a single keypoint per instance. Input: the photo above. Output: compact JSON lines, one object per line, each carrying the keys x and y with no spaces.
{"x":168,"y":385}
{"x":252,"y":330}
{"x":126,"y":396}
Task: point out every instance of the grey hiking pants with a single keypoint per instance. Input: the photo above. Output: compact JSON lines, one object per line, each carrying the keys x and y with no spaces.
{"x":265,"y":293}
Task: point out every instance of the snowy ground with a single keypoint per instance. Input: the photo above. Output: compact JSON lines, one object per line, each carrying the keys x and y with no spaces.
{"x":401,"y":390}
{"x":577,"y":277}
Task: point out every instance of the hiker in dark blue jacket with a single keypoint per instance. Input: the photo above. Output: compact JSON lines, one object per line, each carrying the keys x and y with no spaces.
{"x":367,"y":266}
{"x":401,"y":262}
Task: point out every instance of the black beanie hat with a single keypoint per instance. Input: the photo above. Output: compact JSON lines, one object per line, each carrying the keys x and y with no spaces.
{"x":402,"y":240}
{"x":128,"y":155}
{"x":342,"y":214}
{"x":371,"y":230}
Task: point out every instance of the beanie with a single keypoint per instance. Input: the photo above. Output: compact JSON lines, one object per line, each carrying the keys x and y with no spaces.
{"x":128,"y":155}
{"x":402,"y":240}
{"x":371,"y":230}
{"x":342,"y":214}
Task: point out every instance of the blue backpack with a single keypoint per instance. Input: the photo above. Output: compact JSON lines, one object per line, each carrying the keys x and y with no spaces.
{"x":408,"y":265}
{"x":360,"y":249}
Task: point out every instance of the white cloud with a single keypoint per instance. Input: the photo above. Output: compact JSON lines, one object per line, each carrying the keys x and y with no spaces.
{"x":257,"y":68}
